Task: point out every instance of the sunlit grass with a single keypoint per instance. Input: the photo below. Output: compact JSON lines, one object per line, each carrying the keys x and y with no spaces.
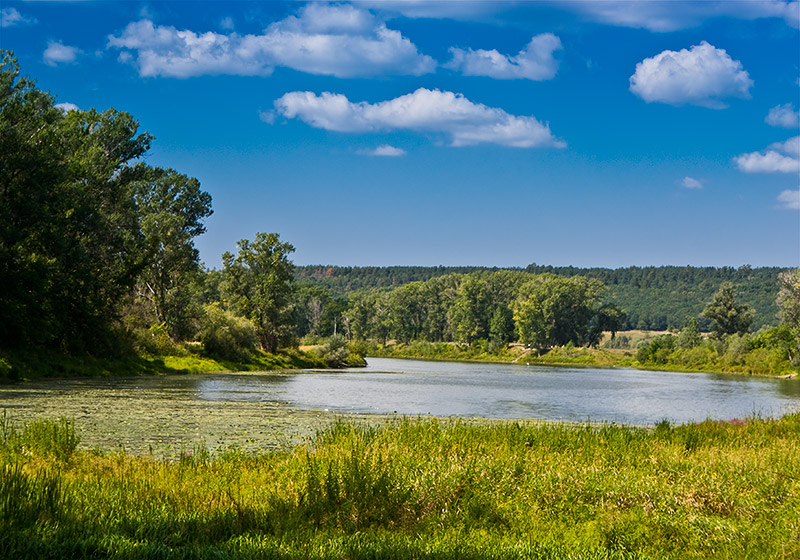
{"x":417,"y":488}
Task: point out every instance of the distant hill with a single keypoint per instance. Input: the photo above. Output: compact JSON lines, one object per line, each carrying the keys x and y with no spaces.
{"x":655,"y":298}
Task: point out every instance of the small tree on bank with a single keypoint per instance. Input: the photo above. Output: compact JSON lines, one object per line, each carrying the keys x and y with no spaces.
{"x":258,"y":284}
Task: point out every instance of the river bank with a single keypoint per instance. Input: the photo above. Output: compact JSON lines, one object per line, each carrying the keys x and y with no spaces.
{"x":37,"y":364}
{"x":708,"y":361}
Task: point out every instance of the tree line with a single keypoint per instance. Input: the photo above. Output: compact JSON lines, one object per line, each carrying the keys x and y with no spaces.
{"x":654,"y":298}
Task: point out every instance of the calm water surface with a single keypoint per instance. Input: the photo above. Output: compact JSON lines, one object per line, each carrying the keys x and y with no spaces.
{"x":268,"y":410}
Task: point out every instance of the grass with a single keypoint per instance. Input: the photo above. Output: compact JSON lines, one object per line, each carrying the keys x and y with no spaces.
{"x":34,"y":364}
{"x":766,"y":362}
{"x":415,"y":489}
{"x":566,"y":355}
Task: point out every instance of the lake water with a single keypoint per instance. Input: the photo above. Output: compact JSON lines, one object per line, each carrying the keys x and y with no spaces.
{"x":268,"y":410}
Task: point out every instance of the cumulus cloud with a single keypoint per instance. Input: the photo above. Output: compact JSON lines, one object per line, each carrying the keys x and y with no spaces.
{"x":58,"y":53}
{"x":336,"y":40}
{"x":780,"y":157}
{"x":701,"y":75}
{"x":783,"y":115}
{"x":384,"y":150}
{"x":534,"y":62}
{"x":790,"y":199}
{"x":10,"y":17}
{"x":439,"y":112}
{"x":66,"y":107}
{"x":691,"y":183}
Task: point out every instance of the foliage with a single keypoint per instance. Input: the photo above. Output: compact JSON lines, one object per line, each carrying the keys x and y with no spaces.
{"x":70,"y":245}
{"x":788,"y":300}
{"x":728,"y":315}
{"x":258,"y":285}
{"x":156,"y":341}
{"x":552,"y":311}
{"x":171,"y":208}
{"x":226,"y":336}
{"x":690,"y":335}
{"x":335,"y":350}
{"x":82,"y":223}
{"x":654,"y":298}
{"x":425,"y":489}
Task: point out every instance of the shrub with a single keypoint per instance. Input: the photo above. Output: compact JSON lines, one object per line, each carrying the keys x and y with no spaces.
{"x":335,"y":351}
{"x":226,"y":336}
{"x":657,"y":351}
{"x":156,"y":341}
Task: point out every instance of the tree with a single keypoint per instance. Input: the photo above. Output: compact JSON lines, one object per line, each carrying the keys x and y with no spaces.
{"x":258,"y":283}
{"x":789,"y":303}
{"x":171,"y":210}
{"x":70,"y":243}
{"x":470,"y":312}
{"x":728,"y":316}
{"x":690,"y":335}
{"x":789,"y":298}
{"x":552,"y":310}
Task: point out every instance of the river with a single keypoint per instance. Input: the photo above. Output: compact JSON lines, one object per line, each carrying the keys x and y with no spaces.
{"x":271,"y":410}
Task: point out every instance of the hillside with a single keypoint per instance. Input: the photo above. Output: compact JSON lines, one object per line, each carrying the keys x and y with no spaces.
{"x":655,"y":298}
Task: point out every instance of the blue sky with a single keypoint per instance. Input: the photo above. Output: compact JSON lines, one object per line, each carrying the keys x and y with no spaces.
{"x":586,"y":133}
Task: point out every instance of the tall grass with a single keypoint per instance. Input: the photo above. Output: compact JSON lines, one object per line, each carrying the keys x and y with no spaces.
{"x":420,"y":489}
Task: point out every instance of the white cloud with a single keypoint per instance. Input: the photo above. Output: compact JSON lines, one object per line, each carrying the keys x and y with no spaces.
{"x":10,"y":17}
{"x":534,"y":62}
{"x":658,"y":16}
{"x":267,"y":116}
{"x":700,"y":76}
{"x":790,"y":146}
{"x":440,"y":112}
{"x":675,"y":15}
{"x":65,"y":107}
{"x":57,"y":53}
{"x":384,"y":150}
{"x":691,"y":183}
{"x":473,"y":10}
{"x":790,"y":199}
{"x":336,"y":40}
{"x":227,"y":23}
{"x":783,"y":115}
{"x":780,"y":157}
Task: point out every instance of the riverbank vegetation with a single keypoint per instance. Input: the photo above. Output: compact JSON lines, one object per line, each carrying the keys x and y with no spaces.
{"x":415,"y":489}
{"x":98,"y":265}
{"x":101,"y":274}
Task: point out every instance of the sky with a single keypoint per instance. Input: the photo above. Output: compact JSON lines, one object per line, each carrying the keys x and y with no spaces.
{"x":584,"y":133}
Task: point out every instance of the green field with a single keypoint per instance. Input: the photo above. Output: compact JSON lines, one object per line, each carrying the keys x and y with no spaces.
{"x":415,"y":489}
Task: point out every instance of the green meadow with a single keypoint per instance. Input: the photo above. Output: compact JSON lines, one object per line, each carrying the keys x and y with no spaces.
{"x":414,"y":488}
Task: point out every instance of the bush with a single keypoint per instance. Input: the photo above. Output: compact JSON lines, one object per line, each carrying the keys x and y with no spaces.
{"x":657,"y":351}
{"x":226,"y":336}
{"x":156,"y":341}
{"x":618,"y":342}
{"x":335,"y":351}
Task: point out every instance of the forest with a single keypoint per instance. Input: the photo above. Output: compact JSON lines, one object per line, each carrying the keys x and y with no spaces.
{"x":97,"y":258}
{"x":654,"y":298}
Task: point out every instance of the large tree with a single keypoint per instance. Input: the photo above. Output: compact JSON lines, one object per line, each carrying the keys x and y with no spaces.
{"x":171,"y":207}
{"x":258,"y":285}
{"x":552,"y":310}
{"x":728,"y":315}
{"x":70,"y":243}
